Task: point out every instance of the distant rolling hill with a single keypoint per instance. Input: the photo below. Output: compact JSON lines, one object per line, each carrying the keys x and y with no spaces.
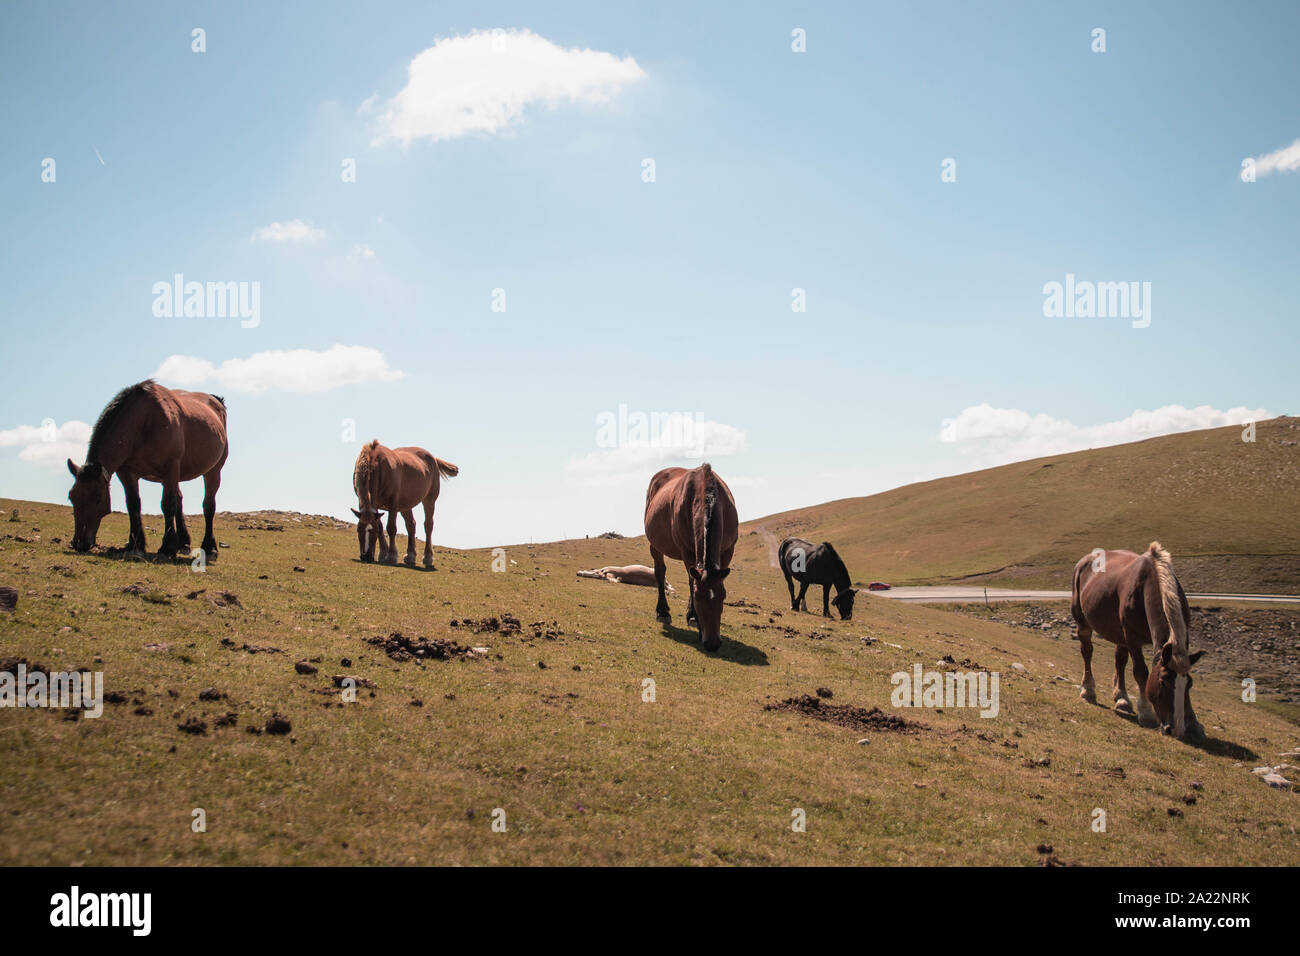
{"x":1227,"y":509}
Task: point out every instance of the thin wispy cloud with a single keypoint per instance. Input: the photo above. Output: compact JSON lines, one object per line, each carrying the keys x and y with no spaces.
{"x":1284,"y":160}
{"x":292,"y":370}
{"x":361,"y":253}
{"x":678,"y":440}
{"x":485,"y":82}
{"x":1002,"y":435}
{"x":49,"y":443}
{"x":295,"y":230}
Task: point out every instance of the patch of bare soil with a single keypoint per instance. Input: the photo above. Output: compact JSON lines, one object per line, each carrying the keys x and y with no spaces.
{"x":844,"y":715}
{"x":399,"y":647}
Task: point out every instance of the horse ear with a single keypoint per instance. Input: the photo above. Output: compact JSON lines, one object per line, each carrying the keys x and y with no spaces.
{"x":1166,"y":653}
{"x":356,"y":512}
{"x":695,"y":573}
{"x":1196,"y":656}
{"x":379,"y":516}
{"x":73,"y":468}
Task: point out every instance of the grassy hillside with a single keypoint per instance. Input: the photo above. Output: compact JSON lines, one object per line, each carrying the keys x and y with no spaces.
{"x":550,"y":725}
{"x":1228,"y":510}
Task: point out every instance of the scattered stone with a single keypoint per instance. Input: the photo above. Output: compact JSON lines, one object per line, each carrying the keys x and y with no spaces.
{"x":8,"y":599}
{"x":227,"y":719}
{"x":824,"y":693}
{"x":401,"y":648}
{"x":300,"y":569}
{"x":302,"y":667}
{"x":193,"y":725}
{"x":210,"y":693}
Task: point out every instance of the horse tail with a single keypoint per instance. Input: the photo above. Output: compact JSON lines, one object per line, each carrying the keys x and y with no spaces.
{"x":446,"y":468}
{"x":1170,"y":600}
{"x":1076,"y":593}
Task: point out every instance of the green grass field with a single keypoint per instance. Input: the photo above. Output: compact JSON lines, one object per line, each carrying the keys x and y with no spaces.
{"x":551,"y":726}
{"x":1227,"y":509}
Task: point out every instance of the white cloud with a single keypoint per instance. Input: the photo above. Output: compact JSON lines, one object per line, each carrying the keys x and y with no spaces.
{"x":48,"y":443}
{"x":1003,"y":435}
{"x":1286,"y":159}
{"x":292,"y":370}
{"x":634,"y":449}
{"x":361,"y":253}
{"x":484,"y":82}
{"x":295,"y":230}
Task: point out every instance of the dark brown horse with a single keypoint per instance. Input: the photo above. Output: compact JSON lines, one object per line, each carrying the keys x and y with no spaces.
{"x":158,"y":434}
{"x":690,"y":516}
{"x":1135,"y":602}
{"x":396,"y":480}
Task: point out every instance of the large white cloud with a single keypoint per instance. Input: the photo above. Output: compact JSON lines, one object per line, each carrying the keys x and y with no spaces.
{"x":292,"y":370}
{"x":1003,"y":435}
{"x":484,"y":82}
{"x":1286,"y":159}
{"x":48,"y":443}
{"x":634,"y":448}
{"x":295,"y":230}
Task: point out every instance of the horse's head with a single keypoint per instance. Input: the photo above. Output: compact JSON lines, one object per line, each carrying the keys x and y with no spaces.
{"x":709,"y":592}
{"x":369,"y":531}
{"x":90,"y":502}
{"x":1170,"y":693}
{"x":844,"y":603}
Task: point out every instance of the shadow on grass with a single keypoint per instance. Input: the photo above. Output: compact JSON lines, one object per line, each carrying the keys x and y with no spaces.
{"x":735,"y":651}
{"x":400,"y":564}
{"x":1223,"y":748}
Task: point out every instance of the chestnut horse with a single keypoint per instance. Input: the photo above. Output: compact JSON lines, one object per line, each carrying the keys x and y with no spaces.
{"x":690,"y":516}
{"x":158,"y":434}
{"x":1135,"y":602}
{"x":396,"y":480}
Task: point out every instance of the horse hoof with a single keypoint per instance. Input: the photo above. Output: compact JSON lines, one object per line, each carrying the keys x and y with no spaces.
{"x":409,"y":561}
{"x":1088,"y":695}
{"x":663,"y":616}
{"x":1124,"y":706}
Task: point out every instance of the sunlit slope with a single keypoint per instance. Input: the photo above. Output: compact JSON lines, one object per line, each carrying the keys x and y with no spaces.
{"x":1227,"y":509}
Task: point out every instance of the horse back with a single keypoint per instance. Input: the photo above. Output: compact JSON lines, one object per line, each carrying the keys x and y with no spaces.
{"x":1113,"y":601}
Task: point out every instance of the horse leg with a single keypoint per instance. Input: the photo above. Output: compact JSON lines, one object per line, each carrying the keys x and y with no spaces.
{"x":182,"y":533}
{"x":826,"y":600}
{"x":389,"y":549}
{"x":408,"y":518}
{"x":1122,"y":703}
{"x":1088,"y":689}
{"x":131,"y":488}
{"x":789,"y":582}
{"x":211,"y":482}
{"x":799,"y":603}
{"x":661,"y":608}
{"x":171,"y":502}
{"x":692,"y":619}
{"x":1146,"y":713}
{"x":428,"y":533}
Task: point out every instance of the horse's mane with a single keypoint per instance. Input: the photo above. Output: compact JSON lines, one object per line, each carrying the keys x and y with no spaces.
{"x":1169,"y":600}
{"x":363,"y":470}
{"x":710,"y":482}
{"x":112,"y":415}
{"x":842,"y":579}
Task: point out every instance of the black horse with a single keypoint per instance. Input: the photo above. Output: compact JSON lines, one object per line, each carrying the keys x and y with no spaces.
{"x":810,"y":563}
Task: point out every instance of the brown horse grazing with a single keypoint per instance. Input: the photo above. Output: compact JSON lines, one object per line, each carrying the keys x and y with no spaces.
{"x":1135,"y":602}
{"x":158,"y":434}
{"x":690,"y":516}
{"x":396,"y":480}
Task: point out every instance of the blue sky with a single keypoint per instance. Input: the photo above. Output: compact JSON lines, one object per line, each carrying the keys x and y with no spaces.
{"x":924,"y":349}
